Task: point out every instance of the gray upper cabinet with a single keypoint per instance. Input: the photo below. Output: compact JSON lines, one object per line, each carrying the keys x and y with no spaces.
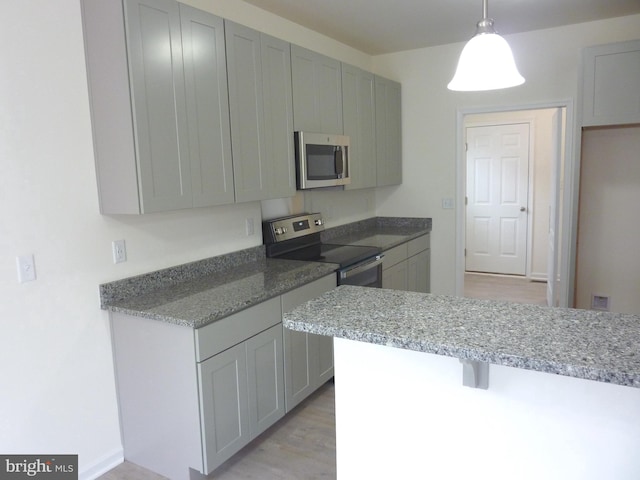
{"x":611,"y":84}
{"x":358,"y":107}
{"x":388,"y":132}
{"x":260,"y":101}
{"x":150,"y":152}
{"x":317,"y":92}
{"x":205,"y":76}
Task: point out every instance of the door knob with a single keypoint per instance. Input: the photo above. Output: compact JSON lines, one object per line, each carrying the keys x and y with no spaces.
{"x":522,"y":209}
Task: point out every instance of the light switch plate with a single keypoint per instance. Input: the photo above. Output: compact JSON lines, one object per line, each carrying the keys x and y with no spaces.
{"x":447,"y":203}
{"x":26,"y":268}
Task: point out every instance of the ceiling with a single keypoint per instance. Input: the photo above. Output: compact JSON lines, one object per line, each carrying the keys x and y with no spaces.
{"x":385,"y":26}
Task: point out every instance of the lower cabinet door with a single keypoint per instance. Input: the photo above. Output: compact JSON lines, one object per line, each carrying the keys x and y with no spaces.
{"x":299,"y":366}
{"x":395,"y":277}
{"x":224,"y":407}
{"x":265,"y":379}
{"x":325,"y":359}
{"x":418,"y":272}
{"x":308,"y":358}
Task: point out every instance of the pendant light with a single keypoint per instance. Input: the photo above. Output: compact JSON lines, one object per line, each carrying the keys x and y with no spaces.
{"x":486,"y":61}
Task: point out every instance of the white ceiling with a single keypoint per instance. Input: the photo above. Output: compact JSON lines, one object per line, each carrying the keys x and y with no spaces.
{"x":386,"y":26}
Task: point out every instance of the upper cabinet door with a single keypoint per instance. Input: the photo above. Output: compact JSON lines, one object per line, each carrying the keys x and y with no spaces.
{"x":159,"y":105}
{"x":611,"y":84}
{"x":278,"y":115}
{"x":358,"y":106}
{"x":205,"y":74}
{"x":317,"y":92}
{"x":247,"y":111}
{"x":388,"y":132}
{"x":260,"y":101}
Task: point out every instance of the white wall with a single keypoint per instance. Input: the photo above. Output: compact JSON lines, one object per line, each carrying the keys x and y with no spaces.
{"x":58,"y":393}
{"x":609,"y":225}
{"x":550,"y":62}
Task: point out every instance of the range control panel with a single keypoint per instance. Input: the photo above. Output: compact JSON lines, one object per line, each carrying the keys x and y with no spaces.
{"x":294,"y":226}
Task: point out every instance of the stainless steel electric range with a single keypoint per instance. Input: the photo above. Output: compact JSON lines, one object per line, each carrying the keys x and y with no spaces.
{"x":297,"y":237}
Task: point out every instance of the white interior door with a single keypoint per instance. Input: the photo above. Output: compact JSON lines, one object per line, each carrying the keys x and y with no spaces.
{"x":552,"y":258}
{"x":497,"y":198}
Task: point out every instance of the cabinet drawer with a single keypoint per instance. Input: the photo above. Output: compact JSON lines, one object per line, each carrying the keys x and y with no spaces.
{"x":229,"y":331}
{"x":418,"y":244}
{"x":394,"y":255}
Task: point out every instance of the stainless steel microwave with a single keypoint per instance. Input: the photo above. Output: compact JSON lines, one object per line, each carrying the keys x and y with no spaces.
{"x":322,"y":160}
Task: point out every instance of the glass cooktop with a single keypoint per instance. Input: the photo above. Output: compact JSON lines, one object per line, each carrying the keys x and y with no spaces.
{"x":343,"y":255}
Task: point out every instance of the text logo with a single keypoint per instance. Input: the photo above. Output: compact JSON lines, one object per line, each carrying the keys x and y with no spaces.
{"x":50,"y":467}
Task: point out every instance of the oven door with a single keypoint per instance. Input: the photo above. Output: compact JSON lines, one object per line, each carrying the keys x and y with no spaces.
{"x":366,"y":274}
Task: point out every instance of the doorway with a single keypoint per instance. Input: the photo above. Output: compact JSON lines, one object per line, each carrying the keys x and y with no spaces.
{"x":497,"y":198}
{"x":538,"y":200}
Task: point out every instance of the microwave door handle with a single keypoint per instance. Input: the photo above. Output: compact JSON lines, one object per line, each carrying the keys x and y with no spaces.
{"x":338,"y":161}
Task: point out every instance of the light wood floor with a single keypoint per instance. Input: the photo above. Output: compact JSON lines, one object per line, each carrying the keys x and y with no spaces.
{"x":504,"y":287}
{"x":302,"y":445}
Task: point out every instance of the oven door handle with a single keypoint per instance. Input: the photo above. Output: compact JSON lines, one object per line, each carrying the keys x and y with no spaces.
{"x":362,"y":267}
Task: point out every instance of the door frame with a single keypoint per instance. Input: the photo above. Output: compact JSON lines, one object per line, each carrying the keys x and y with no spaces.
{"x":530,"y":167}
{"x":568,"y":202}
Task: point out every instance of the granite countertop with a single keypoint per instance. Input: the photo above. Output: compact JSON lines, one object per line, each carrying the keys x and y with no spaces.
{"x":202,"y":292}
{"x":585,"y":344}
{"x":381,"y":232}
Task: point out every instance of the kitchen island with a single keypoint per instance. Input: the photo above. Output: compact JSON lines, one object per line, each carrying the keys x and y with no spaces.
{"x":556,"y":390}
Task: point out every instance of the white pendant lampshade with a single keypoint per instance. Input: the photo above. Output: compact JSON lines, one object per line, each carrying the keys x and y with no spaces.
{"x":486,"y":62}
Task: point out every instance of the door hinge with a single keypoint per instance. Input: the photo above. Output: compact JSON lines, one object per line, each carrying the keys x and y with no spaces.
{"x":465,"y":252}
{"x":466,"y":200}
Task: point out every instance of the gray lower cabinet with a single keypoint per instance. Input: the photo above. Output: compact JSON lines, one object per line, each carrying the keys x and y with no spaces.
{"x":261,"y":110}
{"x":308,"y":357}
{"x":408,"y":266}
{"x":241,"y":395}
{"x":418,"y":269}
{"x":395,"y":277}
{"x":159,"y":111}
{"x":189,"y":399}
{"x":388,"y":132}
{"x":317,"y":92}
{"x":358,"y":112}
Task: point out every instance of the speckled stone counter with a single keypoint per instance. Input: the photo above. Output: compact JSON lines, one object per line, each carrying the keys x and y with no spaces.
{"x":202,"y":292}
{"x":381,"y":232}
{"x":585,"y":344}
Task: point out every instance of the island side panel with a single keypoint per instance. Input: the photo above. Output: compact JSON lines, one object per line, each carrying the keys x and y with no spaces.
{"x":406,"y":414}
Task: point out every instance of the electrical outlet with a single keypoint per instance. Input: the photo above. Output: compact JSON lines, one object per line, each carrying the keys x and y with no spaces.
{"x":26,"y":268}
{"x":249,"y":226}
{"x":119,"y":250}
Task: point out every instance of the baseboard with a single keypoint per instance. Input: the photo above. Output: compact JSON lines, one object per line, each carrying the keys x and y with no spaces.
{"x":538,"y":277}
{"x":103,"y":465}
